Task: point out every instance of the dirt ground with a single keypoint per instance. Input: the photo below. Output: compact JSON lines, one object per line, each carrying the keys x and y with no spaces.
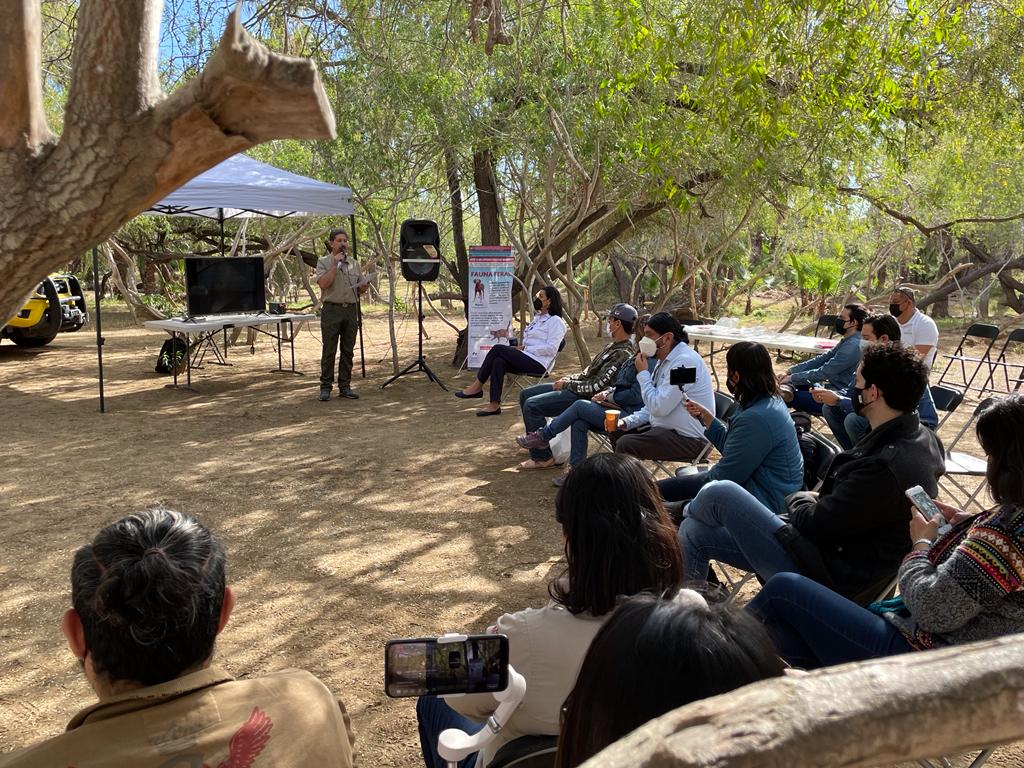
{"x":346,"y":523}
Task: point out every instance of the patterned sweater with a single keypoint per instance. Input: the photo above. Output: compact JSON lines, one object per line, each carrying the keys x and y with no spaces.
{"x":968,"y":586}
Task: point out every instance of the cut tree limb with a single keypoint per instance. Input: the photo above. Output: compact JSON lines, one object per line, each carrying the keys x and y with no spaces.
{"x":873,"y":713}
{"x":122,"y":154}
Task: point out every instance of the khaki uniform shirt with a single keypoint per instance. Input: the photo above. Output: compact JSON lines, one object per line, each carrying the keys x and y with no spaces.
{"x":207,"y":718}
{"x":348,"y":275}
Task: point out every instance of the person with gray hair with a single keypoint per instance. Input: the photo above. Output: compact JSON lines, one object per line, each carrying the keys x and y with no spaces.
{"x":149,"y":596}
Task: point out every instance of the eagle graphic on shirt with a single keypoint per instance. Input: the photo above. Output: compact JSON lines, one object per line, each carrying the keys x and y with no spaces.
{"x":248,"y":741}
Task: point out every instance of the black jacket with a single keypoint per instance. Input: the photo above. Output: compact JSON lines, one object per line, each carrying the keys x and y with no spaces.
{"x":854,"y":536}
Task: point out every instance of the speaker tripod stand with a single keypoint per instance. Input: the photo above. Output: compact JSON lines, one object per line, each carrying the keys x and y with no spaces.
{"x":419,"y":365}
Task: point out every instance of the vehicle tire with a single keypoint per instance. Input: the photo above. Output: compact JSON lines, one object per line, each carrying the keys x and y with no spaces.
{"x":43,"y":333}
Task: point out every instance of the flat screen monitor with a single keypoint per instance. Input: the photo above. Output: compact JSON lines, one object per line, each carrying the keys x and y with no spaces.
{"x":218,"y":286}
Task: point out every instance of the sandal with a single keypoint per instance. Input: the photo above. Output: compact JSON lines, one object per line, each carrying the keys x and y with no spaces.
{"x":530,"y":464}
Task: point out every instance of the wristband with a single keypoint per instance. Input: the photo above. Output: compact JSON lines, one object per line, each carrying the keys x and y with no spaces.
{"x":929,"y":542}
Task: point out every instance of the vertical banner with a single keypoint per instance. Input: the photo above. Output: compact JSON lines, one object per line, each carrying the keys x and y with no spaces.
{"x":490,"y":298}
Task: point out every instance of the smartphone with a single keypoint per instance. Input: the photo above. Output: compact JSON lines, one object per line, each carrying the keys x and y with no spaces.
{"x":920,"y":499}
{"x":677,"y":377}
{"x":446,"y":665}
{"x":818,"y":385}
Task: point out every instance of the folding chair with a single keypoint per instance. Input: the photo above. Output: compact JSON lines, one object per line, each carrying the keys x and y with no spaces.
{"x":1015,"y":336}
{"x":725,"y":405}
{"x":516,"y":379}
{"x":823,"y":456}
{"x":945,"y":399}
{"x":943,"y":762}
{"x":961,"y":464}
{"x":982,"y":331}
{"x":828,"y":322}
{"x":527,"y":752}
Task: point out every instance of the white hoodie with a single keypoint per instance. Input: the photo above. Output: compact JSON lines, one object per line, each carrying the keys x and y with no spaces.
{"x":663,"y":402}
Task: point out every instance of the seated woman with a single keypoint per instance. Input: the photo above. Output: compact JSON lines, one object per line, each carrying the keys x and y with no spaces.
{"x":653,"y":656}
{"x":618,"y":541}
{"x":541,"y":340}
{"x":759,"y":446}
{"x":957,"y":588}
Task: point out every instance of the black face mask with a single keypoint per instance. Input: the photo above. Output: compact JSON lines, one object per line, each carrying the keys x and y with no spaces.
{"x":840,"y":325}
{"x":894,"y":310}
{"x":537,"y":305}
{"x":730,"y":386}
{"x":855,"y":400}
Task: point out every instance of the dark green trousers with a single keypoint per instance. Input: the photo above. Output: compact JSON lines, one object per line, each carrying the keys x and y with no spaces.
{"x":337,"y":323}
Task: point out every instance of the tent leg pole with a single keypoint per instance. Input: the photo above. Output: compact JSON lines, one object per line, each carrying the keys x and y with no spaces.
{"x":99,"y":322}
{"x":359,"y":300}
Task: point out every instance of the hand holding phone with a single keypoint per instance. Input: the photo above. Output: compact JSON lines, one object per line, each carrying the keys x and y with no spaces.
{"x":920,"y":499}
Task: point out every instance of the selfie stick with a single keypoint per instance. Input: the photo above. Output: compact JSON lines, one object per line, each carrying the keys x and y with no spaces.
{"x":453,"y":745}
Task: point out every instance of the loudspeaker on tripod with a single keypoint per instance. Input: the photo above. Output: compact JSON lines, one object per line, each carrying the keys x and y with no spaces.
{"x":419,"y":246}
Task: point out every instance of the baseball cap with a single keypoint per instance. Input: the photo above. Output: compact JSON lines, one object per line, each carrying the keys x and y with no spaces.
{"x":908,"y":292}
{"x":623,"y":312}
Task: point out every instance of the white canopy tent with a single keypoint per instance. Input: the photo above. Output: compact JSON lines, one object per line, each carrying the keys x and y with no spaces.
{"x":241,"y":187}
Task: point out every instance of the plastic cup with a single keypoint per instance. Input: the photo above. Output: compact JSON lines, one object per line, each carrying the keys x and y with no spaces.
{"x":611,"y":419}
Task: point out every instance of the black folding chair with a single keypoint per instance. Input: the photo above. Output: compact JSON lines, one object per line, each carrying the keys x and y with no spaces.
{"x":946,"y":399}
{"x":828,"y":322}
{"x":1010,"y":385}
{"x":982,"y":332}
{"x":825,"y":452}
{"x":527,"y":752}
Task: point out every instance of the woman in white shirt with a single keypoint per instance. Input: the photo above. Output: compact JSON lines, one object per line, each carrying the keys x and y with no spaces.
{"x":541,"y":341}
{"x":619,"y":541}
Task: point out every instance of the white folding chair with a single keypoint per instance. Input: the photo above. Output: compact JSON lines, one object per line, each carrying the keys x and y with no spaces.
{"x":960,"y":464}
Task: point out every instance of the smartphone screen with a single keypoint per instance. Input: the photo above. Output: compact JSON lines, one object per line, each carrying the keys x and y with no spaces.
{"x":921,"y":500}
{"x":683,"y":375}
{"x":422,"y":666}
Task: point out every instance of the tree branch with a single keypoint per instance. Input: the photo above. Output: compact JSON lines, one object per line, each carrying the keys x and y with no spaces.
{"x":21,"y":82}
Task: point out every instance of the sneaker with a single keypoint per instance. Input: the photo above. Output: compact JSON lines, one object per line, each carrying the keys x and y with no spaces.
{"x":347,"y":392}
{"x":787,"y":392}
{"x":559,"y":481}
{"x":531,"y":440}
{"x":325,"y":395}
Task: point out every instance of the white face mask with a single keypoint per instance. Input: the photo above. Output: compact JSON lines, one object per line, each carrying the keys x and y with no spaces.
{"x":648,"y":346}
{"x":608,"y":329}
{"x":865,"y":345}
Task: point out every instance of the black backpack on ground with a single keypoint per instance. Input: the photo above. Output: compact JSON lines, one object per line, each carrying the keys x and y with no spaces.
{"x":172,"y":356}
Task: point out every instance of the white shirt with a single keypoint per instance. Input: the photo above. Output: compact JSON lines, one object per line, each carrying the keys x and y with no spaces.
{"x":663,"y":402}
{"x":920,"y":330}
{"x":546,"y":646}
{"x":542,"y":337}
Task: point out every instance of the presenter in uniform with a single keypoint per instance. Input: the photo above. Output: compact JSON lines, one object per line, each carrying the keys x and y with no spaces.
{"x":338,"y":277}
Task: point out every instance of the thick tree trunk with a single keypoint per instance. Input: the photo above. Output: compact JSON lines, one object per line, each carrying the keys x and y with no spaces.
{"x":460,"y":273}
{"x":125,"y":145}
{"x":486,"y":197}
{"x":873,"y":713}
{"x":939,"y":248}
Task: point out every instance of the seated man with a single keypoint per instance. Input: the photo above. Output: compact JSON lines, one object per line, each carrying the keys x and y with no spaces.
{"x":543,"y":400}
{"x":662,"y":429}
{"x":836,"y":366}
{"x":852,"y":535}
{"x":837,"y":407}
{"x":916,"y":328}
{"x":585,"y":415}
{"x":149,"y":599}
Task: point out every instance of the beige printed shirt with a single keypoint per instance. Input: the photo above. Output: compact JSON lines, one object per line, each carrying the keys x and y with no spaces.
{"x":202,"y":720}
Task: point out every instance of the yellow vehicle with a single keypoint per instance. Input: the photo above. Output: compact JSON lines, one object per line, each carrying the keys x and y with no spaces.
{"x":57,"y":305}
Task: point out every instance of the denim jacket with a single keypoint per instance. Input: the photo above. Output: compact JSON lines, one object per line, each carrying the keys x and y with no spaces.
{"x":837,"y":366}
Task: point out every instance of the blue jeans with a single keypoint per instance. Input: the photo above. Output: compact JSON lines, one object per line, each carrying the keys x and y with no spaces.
{"x":433,"y":715}
{"x":835,"y":417}
{"x":802,"y":400}
{"x":814,"y":627}
{"x":683,"y":488}
{"x":580,"y":417}
{"x":856,"y":427}
{"x":725,"y":523}
{"x":537,"y":403}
